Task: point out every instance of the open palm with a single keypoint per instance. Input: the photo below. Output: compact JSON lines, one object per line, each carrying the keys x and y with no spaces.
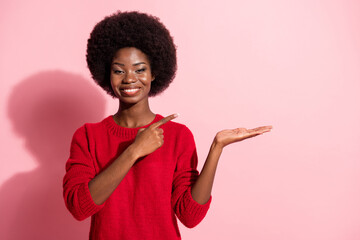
{"x":228,"y":136}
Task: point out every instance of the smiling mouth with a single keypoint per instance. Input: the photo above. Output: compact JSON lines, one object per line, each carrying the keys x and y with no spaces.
{"x":130,"y":91}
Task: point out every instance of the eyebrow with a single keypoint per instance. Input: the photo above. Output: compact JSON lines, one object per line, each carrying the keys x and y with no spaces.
{"x":135,"y":64}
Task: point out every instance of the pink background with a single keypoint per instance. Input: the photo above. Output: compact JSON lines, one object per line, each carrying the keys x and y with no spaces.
{"x":291,"y":64}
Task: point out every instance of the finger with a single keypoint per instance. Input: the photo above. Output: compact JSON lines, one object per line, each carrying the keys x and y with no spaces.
{"x":262,"y":129}
{"x":164,"y":120}
{"x":141,"y":130}
{"x":160,"y":142}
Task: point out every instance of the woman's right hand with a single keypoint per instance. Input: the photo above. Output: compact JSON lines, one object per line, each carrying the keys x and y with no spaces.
{"x":147,"y":141}
{"x":151,"y":138}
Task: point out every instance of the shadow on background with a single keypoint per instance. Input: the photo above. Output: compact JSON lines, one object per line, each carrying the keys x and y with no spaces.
{"x":46,"y":109}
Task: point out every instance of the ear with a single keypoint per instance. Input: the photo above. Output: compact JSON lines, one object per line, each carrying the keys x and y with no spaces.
{"x":153,"y":78}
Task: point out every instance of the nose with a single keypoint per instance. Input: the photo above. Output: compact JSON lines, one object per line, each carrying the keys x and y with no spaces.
{"x":129,"y":78}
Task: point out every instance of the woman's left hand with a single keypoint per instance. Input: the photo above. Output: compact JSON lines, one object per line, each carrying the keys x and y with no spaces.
{"x":226,"y":137}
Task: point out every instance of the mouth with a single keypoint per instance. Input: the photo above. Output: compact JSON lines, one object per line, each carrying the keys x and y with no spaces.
{"x":129,"y":91}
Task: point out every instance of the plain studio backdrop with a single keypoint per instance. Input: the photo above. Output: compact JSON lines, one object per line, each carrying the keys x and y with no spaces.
{"x":291,"y":64}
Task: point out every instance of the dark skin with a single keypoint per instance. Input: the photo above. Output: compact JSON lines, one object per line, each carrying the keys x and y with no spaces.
{"x":131,"y":79}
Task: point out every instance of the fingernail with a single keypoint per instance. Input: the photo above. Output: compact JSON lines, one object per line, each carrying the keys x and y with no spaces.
{"x":176,"y":114}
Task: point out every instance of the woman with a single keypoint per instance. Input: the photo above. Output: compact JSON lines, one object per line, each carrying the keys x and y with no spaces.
{"x":134,"y":171}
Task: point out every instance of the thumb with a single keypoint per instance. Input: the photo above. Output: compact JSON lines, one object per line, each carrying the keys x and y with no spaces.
{"x":140,"y":130}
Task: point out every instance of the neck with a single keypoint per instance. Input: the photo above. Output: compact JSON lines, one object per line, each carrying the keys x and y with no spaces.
{"x":134,"y":115}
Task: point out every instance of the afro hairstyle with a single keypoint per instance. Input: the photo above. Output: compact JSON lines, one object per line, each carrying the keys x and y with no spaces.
{"x":131,"y":29}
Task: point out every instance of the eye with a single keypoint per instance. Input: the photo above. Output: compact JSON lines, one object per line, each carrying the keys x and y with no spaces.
{"x":141,"y":70}
{"x":118,"y":71}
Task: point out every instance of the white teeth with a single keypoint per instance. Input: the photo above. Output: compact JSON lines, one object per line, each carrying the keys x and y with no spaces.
{"x":131,"y":90}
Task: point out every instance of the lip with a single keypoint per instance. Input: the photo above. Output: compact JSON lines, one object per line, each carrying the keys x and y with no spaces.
{"x":129,"y":91}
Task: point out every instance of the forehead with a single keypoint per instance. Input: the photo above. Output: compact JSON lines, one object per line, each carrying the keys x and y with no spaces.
{"x":130,"y":55}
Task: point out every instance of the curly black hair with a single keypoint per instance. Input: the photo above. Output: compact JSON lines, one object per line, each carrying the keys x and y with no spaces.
{"x":132,"y":29}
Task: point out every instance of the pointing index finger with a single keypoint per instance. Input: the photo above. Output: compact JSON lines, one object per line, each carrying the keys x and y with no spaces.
{"x":164,"y":120}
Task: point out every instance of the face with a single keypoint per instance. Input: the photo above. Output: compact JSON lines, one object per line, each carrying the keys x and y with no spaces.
{"x":131,"y":75}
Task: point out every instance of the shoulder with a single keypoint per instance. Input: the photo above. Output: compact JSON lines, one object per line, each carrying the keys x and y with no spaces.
{"x":173,"y":125}
{"x":181,"y":138}
{"x":88,"y":128}
{"x":179,"y":130}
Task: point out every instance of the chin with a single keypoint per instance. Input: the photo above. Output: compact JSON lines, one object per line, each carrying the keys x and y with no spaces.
{"x":133,"y":100}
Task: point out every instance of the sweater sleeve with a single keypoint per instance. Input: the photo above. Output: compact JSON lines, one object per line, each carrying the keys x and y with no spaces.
{"x":79,"y":171}
{"x":188,"y":211}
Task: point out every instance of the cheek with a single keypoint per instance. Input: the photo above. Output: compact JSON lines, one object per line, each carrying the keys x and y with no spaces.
{"x":114,"y":80}
{"x":145,"y":80}
{"x":114,"y":83}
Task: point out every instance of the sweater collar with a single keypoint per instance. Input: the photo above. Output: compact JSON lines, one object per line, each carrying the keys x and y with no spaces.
{"x":120,"y":131}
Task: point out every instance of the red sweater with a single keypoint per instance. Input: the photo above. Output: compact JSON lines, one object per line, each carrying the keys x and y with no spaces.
{"x":155,"y":189}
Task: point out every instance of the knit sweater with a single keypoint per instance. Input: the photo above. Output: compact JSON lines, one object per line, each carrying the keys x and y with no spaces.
{"x":156,"y":188}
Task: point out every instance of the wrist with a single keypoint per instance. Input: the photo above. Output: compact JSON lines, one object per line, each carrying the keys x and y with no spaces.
{"x":132,"y":153}
{"x":216,"y":145}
